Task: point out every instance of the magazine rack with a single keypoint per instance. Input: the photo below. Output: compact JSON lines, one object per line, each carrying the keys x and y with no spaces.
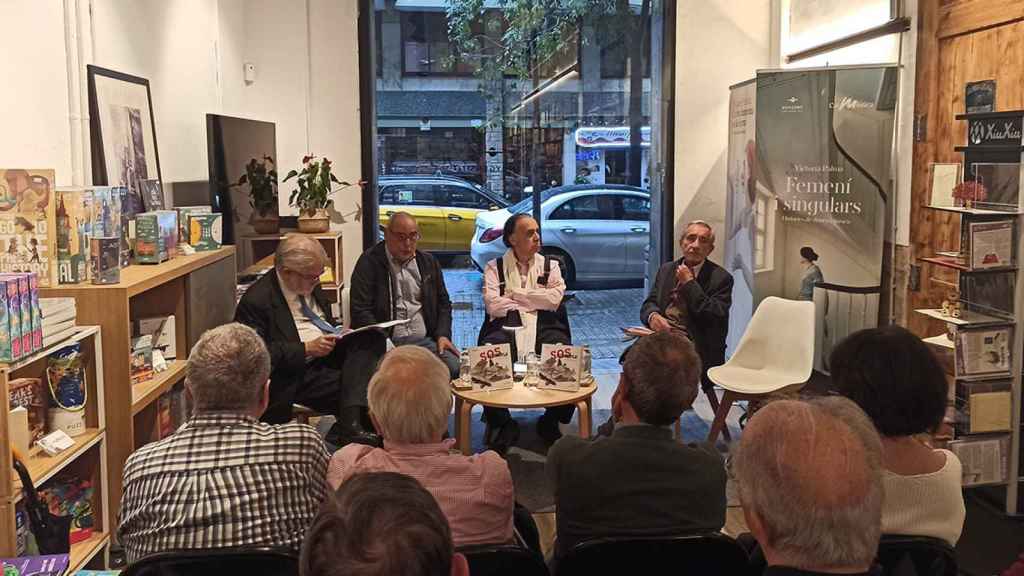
{"x":986,"y":297}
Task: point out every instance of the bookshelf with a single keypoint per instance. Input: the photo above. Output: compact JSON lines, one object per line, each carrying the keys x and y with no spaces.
{"x":86,"y":459}
{"x":992,"y":301}
{"x":257,"y":255}
{"x":198,"y":289}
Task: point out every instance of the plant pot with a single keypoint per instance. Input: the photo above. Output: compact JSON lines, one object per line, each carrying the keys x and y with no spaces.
{"x":316,"y":223}
{"x":269,"y":224}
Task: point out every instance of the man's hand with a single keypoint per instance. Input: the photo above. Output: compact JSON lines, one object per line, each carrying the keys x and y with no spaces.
{"x":446,"y":344}
{"x":659,"y":323}
{"x":683,"y":274}
{"x":320,"y":347}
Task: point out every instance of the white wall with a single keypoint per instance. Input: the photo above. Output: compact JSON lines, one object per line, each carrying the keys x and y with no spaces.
{"x":719,"y":43}
{"x":35,"y":130}
{"x":192,"y":52}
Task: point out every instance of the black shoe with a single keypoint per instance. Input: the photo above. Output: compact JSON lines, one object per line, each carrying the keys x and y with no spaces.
{"x":607,"y":428}
{"x":547,"y":429}
{"x":340,"y":435}
{"x":501,"y":438}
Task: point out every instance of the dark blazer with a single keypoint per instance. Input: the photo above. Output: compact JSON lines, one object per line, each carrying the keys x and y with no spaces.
{"x":372,"y":286}
{"x":637,"y":482}
{"x":264,"y":309}
{"x":709,"y":298}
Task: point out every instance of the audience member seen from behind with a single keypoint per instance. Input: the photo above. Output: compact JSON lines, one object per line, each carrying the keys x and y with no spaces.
{"x":410,"y":400}
{"x":640,"y":481}
{"x":380,"y":524}
{"x":809,"y":479}
{"x":893,"y":376}
{"x":224,"y":478}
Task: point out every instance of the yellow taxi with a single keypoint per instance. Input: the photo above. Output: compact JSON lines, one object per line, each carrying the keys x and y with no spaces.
{"x":445,"y":208}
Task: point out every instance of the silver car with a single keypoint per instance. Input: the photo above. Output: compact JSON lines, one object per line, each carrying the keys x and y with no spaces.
{"x":595,"y":231}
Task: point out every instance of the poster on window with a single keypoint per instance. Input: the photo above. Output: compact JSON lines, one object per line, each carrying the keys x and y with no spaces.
{"x":812,"y":206}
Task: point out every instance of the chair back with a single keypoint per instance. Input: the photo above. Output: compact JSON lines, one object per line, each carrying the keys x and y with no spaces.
{"x":916,"y":556}
{"x":503,"y":560}
{"x":698,"y":555}
{"x":248,"y":560}
{"x":838,"y":312}
{"x":776,"y":351}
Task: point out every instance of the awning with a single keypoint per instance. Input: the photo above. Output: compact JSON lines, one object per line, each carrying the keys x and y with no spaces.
{"x":433,"y":104}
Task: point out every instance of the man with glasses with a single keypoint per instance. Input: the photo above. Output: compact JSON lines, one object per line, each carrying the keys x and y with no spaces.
{"x":311,"y":362}
{"x":395,"y":281}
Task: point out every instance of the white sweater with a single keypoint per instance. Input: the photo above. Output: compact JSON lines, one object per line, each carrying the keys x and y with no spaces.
{"x":925,"y":504}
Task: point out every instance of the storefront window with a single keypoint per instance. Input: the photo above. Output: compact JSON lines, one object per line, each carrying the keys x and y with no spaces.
{"x":426,"y":49}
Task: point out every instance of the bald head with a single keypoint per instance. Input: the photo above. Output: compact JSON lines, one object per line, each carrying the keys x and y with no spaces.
{"x":401,"y":236}
{"x":410,"y":396}
{"x":809,"y":479}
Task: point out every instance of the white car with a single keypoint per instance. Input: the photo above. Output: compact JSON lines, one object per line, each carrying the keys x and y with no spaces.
{"x":595,"y":231}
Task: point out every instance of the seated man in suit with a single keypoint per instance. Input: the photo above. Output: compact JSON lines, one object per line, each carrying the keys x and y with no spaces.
{"x":224,"y":479}
{"x":640,"y":481}
{"x":395,"y":281}
{"x":310,"y":363}
{"x":527,"y":286}
{"x":810,"y":481}
{"x":692,"y":296}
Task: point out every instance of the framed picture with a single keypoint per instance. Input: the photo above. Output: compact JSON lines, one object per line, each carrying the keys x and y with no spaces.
{"x":124,"y":150}
{"x":990,"y":244}
{"x":945,"y":178}
{"x":152,"y":194}
{"x":983,"y":351}
{"x":980,"y":96}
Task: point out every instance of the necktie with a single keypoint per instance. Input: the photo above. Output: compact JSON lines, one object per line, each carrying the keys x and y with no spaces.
{"x":315,"y":319}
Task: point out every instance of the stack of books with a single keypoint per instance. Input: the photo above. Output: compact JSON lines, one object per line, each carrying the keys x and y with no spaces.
{"x":58,"y":318}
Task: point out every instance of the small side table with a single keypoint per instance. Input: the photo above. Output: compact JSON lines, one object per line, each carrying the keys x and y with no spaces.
{"x":518,"y":397}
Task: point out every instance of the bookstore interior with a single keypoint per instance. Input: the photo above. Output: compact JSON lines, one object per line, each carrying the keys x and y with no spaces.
{"x":838,"y":174}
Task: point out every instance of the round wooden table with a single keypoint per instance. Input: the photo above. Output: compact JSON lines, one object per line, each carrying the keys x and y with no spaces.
{"x":518,"y":397}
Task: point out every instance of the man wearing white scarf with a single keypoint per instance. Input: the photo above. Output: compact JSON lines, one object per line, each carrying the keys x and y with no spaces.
{"x":537,"y":297}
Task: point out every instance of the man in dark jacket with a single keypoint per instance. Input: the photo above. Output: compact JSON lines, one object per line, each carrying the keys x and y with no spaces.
{"x":693,"y":295}
{"x":395,"y":281}
{"x":310,"y":362}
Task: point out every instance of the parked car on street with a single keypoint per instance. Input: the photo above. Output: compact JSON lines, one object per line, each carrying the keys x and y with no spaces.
{"x":595,"y":231}
{"x":445,"y":208}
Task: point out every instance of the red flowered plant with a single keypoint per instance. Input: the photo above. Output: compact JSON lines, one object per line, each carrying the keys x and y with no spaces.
{"x":970,"y":191}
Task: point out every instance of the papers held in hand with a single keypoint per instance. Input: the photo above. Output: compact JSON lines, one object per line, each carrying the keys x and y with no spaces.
{"x":342,"y":332}
{"x":635,"y":332}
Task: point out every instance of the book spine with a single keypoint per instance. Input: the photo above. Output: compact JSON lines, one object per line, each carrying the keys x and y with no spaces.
{"x":14,"y":313}
{"x":37,"y":314}
{"x":6,"y":334}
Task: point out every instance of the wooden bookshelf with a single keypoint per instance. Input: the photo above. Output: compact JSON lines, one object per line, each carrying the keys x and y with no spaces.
{"x":257,"y":251}
{"x":86,"y":459}
{"x":199,"y":290}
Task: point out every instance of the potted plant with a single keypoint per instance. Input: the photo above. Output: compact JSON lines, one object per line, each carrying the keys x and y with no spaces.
{"x":261,"y":177}
{"x":312,"y":197}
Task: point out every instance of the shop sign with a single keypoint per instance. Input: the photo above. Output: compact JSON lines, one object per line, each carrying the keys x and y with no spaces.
{"x":995,"y":132}
{"x":608,"y":137}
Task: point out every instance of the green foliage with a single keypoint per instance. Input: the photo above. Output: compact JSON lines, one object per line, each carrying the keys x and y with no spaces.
{"x":261,"y":176}
{"x":314,"y":182}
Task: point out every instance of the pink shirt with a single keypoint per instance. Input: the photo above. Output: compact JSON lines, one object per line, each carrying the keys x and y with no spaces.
{"x":474,"y":492}
{"x":519,"y":297}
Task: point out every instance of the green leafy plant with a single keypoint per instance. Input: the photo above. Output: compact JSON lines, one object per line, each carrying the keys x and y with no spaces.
{"x":315,"y":186}
{"x":261,"y":176}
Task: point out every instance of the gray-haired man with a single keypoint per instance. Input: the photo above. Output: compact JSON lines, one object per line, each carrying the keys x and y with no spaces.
{"x":224,"y":478}
{"x":809,"y":478}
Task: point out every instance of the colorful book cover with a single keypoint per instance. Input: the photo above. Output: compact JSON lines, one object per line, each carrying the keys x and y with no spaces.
{"x":104,"y":260}
{"x":205,"y":231}
{"x":106,"y":212}
{"x":25,"y":293}
{"x":168,"y":223}
{"x":183,"y":214}
{"x":560,"y":367}
{"x":50,"y":565}
{"x":129,"y":209}
{"x":74,"y":227}
{"x":37,"y":313}
{"x":149,"y":245}
{"x":28,"y":393}
{"x":142,"y":359}
{"x":162,"y":329}
{"x":490,"y":367}
{"x":27,"y":243}
{"x":7,"y":337}
{"x":10,"y":286}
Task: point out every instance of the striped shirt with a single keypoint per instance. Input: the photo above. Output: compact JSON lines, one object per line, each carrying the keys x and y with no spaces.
{"x":222,"y":480}
{"x":474,"y":492}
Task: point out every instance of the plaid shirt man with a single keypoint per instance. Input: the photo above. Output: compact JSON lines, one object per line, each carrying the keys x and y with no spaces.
{"x":222,"y":480}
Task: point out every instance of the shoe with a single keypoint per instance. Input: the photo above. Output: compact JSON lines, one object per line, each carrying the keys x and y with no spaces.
{"x":349,"y":429}
{"x":607,"y":428}
{"x":501,"y":438}
{"x":547,"y":429}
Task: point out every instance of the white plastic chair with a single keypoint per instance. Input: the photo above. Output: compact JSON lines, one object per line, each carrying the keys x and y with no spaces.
{"x":775,"y":352}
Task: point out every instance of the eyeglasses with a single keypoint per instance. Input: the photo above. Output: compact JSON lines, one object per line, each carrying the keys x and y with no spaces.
{"x":306,"y":277}
{"x":411,"y":237}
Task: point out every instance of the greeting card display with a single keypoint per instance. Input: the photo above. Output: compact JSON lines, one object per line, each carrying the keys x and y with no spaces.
{"x":560,"y":367}
{"x":490,"y":367}
{"x":983,"y":351}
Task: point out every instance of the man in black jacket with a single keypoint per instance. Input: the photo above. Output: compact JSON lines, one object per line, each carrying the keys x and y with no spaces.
{"x":395,"y":281}
{"x":310,"y":362}
{"x":693,"y":295}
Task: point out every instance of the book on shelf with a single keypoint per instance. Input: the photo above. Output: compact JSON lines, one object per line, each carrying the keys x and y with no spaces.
{"x":162,"y":331}
{"x":183,"y":224}
{"x":59,"y":319}
{"x":74,"y":228}
{"x":142,"y":359}
{"x":27,"y":241}
{"x":985,"y":459}
{"x":58,"y":327}
{"x":55,"y":337}
{"x":50,"y":306}
{"x":205,"y":231}
{"x":28,"y":393}
{"x":10,"y":320}
{"x":48,"y":565}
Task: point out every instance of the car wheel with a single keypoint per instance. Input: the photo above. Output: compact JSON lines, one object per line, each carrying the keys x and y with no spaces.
{"x":564,"y":264}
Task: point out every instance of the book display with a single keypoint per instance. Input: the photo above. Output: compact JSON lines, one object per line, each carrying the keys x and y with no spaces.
{"x":983,"y":303}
